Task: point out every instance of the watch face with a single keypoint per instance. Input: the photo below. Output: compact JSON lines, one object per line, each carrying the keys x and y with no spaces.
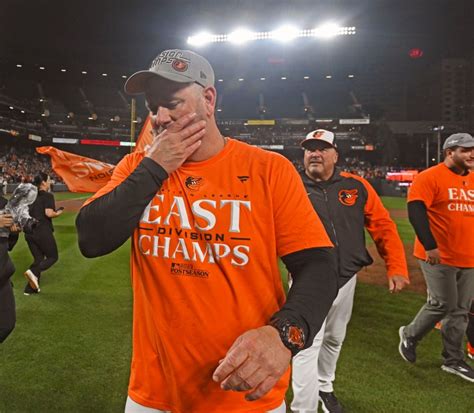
{"x":295,"y":336}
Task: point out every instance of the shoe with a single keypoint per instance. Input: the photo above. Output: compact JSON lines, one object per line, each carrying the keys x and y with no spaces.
{"x":29,"y":290}
{"x":461,"y":369}
{"x":407,"y":347}
{"x":470,"y":351}
{"x":32,"y":280}
{"x":329,"y":403}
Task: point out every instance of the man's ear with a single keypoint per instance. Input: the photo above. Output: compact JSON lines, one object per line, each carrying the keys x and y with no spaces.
{"x":210,"y":97}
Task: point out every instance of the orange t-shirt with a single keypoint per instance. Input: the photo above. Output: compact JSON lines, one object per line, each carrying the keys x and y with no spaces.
{"x":449,"y":200}
{"x":204,"y":271}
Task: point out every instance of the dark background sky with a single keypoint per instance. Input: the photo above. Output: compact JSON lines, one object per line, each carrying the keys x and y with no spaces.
{"x":128,"y":34}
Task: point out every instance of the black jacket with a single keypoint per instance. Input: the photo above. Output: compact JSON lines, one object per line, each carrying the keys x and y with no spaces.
{"x":346,"y":204}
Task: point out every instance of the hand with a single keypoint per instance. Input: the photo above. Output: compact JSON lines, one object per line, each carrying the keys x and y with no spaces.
{"x":255,"y":362}
{"x":15,"y":228}
{"x":6,"y":221}
{"x":432,"y":257}
{"x":397,"y":283}
{"x":177,"y":142}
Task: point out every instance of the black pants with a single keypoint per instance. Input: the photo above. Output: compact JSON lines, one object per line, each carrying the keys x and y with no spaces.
{"x":44,"y":249}
{"x":7,"y":299}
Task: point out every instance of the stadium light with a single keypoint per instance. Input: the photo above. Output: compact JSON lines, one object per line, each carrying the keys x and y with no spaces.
{"x":305,"y":77}
{"x":262,"y":78}
{"x":42,"y":68}
{"x":200,"y":39}
{"x":241,"y":79}
{"x":220,"y":80}
{"x":285,"y":33}
{"x":350,"y":76}
{"x":283,"y":78}
{"x":241,"y":36}
{"x":63,"y":70}
{"x":104,"y":74}
{"x":328,"y":77}
{"x":124,"y":76}
{"x":84,"y":72}
{"x":11,"y":107}
{"x":19,"y":65}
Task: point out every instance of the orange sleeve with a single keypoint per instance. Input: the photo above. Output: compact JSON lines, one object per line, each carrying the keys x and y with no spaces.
{"x":123,"y":169}
{"x":422,"y":189}
{"x":297,"y":226}
{"x":384,"y":232}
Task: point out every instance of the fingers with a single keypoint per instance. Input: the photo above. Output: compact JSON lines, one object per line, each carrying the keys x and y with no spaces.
{"x":262,"y":389}
{"x":231,"y":362}
{"x":181,"y":123}
{"x":244,"y":378}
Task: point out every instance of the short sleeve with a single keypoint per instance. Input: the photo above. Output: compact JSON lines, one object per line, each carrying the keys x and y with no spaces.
{"x":422,"y":189}
{"x":297,"y":225}
{"x":48,"y":201}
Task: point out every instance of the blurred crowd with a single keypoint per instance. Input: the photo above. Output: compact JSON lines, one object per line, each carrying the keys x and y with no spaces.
{"x":22,"y":166}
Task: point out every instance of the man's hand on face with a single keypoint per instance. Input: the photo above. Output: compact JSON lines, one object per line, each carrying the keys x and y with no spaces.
{"x":254,"y":363}
{"x":171,"y":147}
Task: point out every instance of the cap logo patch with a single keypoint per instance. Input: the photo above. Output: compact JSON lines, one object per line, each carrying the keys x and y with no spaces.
{"x":348,"y":197}
{"x":318,"y":134}
{"x":180,"y":65}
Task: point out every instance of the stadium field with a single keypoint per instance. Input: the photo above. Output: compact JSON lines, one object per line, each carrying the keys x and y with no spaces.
{"x":71,"y":348}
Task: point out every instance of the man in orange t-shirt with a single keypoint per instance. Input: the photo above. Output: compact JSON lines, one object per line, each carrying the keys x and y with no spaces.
{"x":441,"y":210}
{"x":209,"y":216}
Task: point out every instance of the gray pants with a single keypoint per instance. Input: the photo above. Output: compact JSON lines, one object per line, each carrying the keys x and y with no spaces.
{"x":450,"y":291}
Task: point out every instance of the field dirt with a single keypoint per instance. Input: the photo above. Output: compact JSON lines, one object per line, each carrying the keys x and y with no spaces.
{"x":71,"y":205}
{"x":376,"y":273}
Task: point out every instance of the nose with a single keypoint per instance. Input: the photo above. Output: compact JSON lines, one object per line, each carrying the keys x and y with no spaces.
{"x":163,"y":117}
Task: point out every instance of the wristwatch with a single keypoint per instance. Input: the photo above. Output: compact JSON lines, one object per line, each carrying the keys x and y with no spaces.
{"x":291,"y":335}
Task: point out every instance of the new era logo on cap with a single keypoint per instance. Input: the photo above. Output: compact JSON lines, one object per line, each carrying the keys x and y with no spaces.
{"x":181,"y":66}
{"x":318,"y":135}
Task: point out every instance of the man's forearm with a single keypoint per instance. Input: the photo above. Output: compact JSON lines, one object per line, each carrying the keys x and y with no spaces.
{"x":108,"y":221}
{"x":313,"y":290}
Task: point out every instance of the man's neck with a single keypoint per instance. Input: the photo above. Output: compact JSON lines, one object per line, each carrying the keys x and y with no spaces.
{"x":455,"y":168}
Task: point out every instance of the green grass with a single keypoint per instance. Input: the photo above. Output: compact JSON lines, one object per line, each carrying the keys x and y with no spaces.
{"x":60,"y":196}
{"x":70,"y":351}
{"x":394,"y":202}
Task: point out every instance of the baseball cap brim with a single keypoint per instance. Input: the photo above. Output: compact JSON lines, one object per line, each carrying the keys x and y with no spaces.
{"x":313,"y":143}
{"x":137,"y":83}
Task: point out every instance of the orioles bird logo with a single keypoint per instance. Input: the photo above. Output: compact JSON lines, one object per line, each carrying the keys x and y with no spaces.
{"x":180,"y":65}
{"x":348,"y":197}
{"x":318,"y":134}
{"x":193,"y":183}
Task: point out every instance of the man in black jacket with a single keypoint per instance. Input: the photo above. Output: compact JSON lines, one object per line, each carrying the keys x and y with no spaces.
{"x":346,"y":204}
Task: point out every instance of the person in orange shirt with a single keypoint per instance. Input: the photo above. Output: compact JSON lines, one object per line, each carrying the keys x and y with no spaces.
{"x":209,"y":216}
{"x":441,"y":210}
